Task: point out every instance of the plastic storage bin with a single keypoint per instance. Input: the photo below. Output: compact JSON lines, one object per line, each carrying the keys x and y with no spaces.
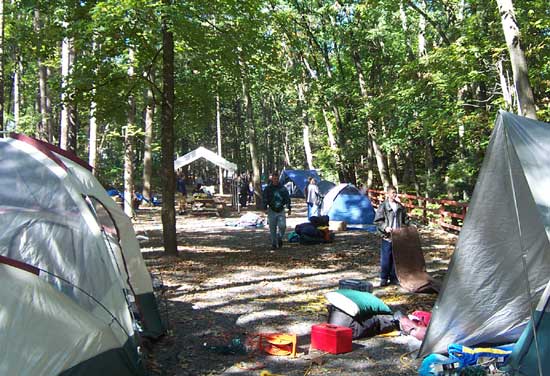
{"x":331,"y":338}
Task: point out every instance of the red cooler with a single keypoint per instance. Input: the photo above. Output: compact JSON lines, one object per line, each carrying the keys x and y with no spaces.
{"x":331,"y":338}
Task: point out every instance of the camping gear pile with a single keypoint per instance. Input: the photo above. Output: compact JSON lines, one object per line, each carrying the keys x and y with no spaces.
{"x":315,"y":231}
{"x":497,"y":288}
{"x":71,"y":269}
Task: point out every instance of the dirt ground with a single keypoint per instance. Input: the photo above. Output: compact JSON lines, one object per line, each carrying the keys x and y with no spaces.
{"x":226,"y":286}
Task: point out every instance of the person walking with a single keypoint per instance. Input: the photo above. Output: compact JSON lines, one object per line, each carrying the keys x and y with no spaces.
{"x":391,"y":214}
{"x":275,"y":198}
{"x":312,"y":198}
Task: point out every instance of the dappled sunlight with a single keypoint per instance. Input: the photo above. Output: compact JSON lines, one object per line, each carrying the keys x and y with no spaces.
{"x":227,"y":282}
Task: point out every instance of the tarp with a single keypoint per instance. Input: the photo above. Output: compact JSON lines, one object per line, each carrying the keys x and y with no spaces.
{"x":202,"y":152}
{"x":345,"y":203}
{"x":410,"y":265}
{"x":299,"y":178}
{"x":501,"y":263}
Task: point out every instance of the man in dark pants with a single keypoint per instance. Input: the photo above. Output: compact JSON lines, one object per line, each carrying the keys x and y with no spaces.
{"x":391,"y":214}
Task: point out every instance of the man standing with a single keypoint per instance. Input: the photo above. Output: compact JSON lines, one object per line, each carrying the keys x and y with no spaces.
{"x":275,"y":197}
{"x":182,"y":190}
{"x":312,"y":198}
{"x":389,"y":216}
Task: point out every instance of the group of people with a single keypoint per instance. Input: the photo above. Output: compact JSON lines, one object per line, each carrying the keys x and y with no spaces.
{"x":245,"y":187}
{"x":390,"y":215}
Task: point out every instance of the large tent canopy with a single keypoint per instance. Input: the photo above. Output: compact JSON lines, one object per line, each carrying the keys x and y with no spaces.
{"x":501,"y":264}
{"x":202,"y":152}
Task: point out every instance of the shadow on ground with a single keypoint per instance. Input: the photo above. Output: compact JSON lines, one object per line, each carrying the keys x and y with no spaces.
{"x":225,"y":284}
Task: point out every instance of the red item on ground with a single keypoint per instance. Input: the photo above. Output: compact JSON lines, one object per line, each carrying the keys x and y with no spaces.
{"x":331,"y":338}
{"x":423,"y":316}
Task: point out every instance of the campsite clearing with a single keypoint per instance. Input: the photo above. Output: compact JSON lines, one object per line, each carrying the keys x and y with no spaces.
{"x":227,"y":286}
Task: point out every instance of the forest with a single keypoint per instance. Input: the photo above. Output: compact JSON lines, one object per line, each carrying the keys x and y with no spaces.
{"x":372,"y":92}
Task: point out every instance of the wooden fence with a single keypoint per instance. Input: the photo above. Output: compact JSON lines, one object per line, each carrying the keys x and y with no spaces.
{"x":448,"y":214}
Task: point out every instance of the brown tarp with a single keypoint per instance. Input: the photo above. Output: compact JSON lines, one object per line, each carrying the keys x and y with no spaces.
{"x":409,"y":261}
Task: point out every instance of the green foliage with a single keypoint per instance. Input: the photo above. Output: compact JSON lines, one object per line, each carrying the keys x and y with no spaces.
{"x":437,"y":107}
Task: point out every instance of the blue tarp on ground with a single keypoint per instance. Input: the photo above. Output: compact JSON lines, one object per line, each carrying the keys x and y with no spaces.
{"x":296,"y":180}
{"x":346,"y":203}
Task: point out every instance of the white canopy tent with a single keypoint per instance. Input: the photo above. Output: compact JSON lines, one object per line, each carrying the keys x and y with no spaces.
{"x":202,"y":152}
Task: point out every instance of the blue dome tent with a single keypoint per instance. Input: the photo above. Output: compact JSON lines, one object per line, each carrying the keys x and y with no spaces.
{"x":345,"y":202}
{"x":325,"y":186}
{"x":296,"y":181}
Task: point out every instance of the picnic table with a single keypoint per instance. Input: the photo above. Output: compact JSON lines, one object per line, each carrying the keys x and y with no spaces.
{"x":207,"y":205}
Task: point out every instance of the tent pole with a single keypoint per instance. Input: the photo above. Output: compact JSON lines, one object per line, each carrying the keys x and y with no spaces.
{"x":523,"y":255}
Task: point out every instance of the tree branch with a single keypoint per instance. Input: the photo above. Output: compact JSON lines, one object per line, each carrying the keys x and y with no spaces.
{"x":430,"y":21}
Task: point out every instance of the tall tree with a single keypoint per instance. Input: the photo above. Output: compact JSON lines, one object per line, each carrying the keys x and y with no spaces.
{"x":526,"y":99}
{"x":68,"y":136}
{"x":148,"y":143}
{"x":45,"y":126}
{"x":129,"y":142}
{"x":167,"y":134}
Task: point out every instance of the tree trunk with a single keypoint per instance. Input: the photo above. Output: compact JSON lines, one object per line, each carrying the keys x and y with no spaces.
{"x":2,"y":83}
{"x":167,"y":138}
{"x":370,"y":159}
{"x":68,"y":116}
{"x":381,"y":163}
{"x":330,"y":132}
{"x":252,"y":142}
{"x":428,"y":165}
{"x":405,"y":27}
{"x":379,"y":155}
{"x":305,"y":124}
{"x":422,"y":30}
{"x":129,"y":144}
{"x":253,"y":148}
{"x":92,"y":149}
{"x":148,"y":144}
{"x":526,"y":99}
{"x":219,"y":134}
{"x":92,"y":152}
{"x":504,"y":84}
{"x":45,"y":125}
{"x":392,"y":166}
{"x":16,"y":91}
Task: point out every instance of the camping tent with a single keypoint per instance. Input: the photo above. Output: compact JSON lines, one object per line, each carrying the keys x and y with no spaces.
{"x":501,"y":263}
{"x":297,"y":180}
{"x":325,"y":186}
{"x":345,"y":202}
{"x":47,"y":223}
{"x":526,"y":356}
{"x":202,"y":152}
{"x":118,"y":230}
{"x":44,"y":332}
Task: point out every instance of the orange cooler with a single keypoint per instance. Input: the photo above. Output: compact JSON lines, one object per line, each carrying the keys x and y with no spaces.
{"x":331,"y":338}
